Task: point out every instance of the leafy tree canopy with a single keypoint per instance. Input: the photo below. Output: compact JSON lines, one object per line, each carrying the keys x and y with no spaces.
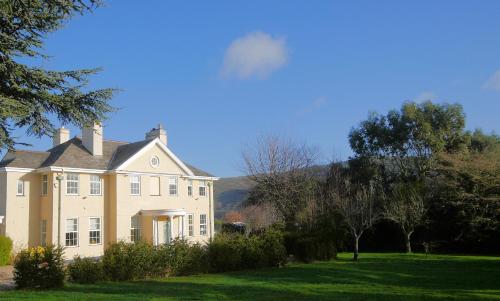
{"x":409,"y":137}
{"x":29,"y":95}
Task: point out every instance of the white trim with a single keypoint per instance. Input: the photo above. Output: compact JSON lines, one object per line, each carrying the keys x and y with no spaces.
{"x":16,"y":169}
{"x":72,"y":170}
{"x":163,"y":212}
{"x":148,"y":146}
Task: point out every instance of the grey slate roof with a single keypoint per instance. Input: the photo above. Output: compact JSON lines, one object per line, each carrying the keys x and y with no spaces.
{"x":73,"y":154}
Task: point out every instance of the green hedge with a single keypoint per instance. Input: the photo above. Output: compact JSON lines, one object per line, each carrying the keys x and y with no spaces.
{"x":85,"y":270}
{"x":5,"y":250}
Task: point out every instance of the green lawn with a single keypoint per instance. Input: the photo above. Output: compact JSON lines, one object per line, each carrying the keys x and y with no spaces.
{"x":375,"y":277}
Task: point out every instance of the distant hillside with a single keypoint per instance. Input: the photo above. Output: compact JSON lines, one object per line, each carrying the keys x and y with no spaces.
{"x":229,"y":193}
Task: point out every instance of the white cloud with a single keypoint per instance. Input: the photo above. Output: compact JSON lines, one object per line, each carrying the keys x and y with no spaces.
{"x":314,"y":105}
{"x":256,"y":54}
{"x":493,"y":83}
{"x":425,"y":96}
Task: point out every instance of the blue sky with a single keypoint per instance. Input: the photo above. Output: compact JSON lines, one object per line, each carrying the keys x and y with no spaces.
{"x":219,"y":74}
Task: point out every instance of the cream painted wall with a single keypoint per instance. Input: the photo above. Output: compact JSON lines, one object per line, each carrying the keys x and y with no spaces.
{"x":115,"y":206}
{"x":22,"y":212}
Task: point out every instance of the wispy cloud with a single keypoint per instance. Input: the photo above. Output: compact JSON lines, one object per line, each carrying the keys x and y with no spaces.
{"x":493,"y":83}
{"x":425,"y":96}
{"x":256,"y":54}
{"x":314,"y":105}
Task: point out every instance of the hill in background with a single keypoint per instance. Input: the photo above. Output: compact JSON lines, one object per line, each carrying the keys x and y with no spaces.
{"x":229,"y":193}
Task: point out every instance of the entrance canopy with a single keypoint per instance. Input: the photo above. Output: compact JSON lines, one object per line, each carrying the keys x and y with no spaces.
{"x":163,"y":212}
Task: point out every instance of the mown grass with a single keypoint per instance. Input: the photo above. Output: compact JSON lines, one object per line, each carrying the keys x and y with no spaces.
{"x":375,"y":277}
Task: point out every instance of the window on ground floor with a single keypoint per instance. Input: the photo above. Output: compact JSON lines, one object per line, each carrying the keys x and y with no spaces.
{"x":43,"y":234}
{"x":190,"y":225}
{"x":95,"y":231}
{"x":135,"y":229}
{"x":203,"y":224}
{"x":71,"y":232}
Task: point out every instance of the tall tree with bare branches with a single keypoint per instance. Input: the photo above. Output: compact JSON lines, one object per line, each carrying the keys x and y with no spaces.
{"x":281,"y":171}
{"x":406,"y":208}
{"x":356,"y":202}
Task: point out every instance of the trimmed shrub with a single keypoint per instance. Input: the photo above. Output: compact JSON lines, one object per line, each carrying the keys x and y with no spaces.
{"x":85,"y":270}
{"x":39,"y":267}
{"x":182,"y":258}
{"x":224,"y":252}
{"x":5,"y":250}
{"x":124,"y":261}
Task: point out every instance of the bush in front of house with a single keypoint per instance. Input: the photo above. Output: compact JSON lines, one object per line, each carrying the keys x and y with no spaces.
{"x":233,"y":251}
{"x":180,"y":258}
{"x":127,"y":261}
{"x":5,"y":250}
{"x":40,"y":268}
{"x":85,"y":270}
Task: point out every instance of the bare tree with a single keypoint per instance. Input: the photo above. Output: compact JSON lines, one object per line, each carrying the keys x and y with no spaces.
{"x":406,"y":207}
{"x":354,"y":201}
{"x":259,"y":216}
{"x":281,"y":171}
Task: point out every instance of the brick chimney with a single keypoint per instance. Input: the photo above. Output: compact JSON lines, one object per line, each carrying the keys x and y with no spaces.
{"x":92,"y":139}
{"x":61,"y":135}
{"x":158,"y":132}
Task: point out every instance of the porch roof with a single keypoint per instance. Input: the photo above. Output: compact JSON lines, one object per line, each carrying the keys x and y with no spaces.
{"x":163,"y":212}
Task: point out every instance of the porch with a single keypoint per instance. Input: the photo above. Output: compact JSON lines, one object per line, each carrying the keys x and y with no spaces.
{"x":163,"y":225}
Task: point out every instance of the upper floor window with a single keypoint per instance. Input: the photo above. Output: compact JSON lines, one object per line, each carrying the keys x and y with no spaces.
{"x":202,"y":190}
{"x":72,"y":183}
{"x":172,"y":186}
{"x":71,"y":232}
{"x":135,"y":185}
{"x":190,"y":187}
{"x":20,"y":187}
{"x":95,"y":185}
{"x":45,"y":184}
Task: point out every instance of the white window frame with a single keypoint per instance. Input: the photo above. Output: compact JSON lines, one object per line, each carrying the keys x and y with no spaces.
{"x":138,"y":177}
{"x":99,"y":237}
{"x":94,"y":182}
{"x":190,"y":188}
{"x":43,"y":233}
{"x":202,"y":184}
{"x":20,"y":182}
{"x":45,"y":185}
{"x":73,"y":231}
{"x":135,"y":232}
{"x":203,"y":225}
{"x":190,"y":224}
{"x":170,"y":185}
{"x":77,"y":181}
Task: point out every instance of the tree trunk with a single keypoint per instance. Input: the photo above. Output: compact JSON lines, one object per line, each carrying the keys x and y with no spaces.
{"x":356,"y":247}
{"x":408,"y":241}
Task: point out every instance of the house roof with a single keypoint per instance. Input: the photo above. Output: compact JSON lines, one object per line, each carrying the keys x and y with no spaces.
{"x":73,"y":154}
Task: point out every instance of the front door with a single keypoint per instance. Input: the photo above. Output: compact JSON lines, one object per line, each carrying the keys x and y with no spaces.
{"x":168,"y":231}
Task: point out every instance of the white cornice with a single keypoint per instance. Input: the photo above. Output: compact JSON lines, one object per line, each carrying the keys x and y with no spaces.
{"x":16,"y":169}
{"x":71,"y":169}
{"x":148,"y":146}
